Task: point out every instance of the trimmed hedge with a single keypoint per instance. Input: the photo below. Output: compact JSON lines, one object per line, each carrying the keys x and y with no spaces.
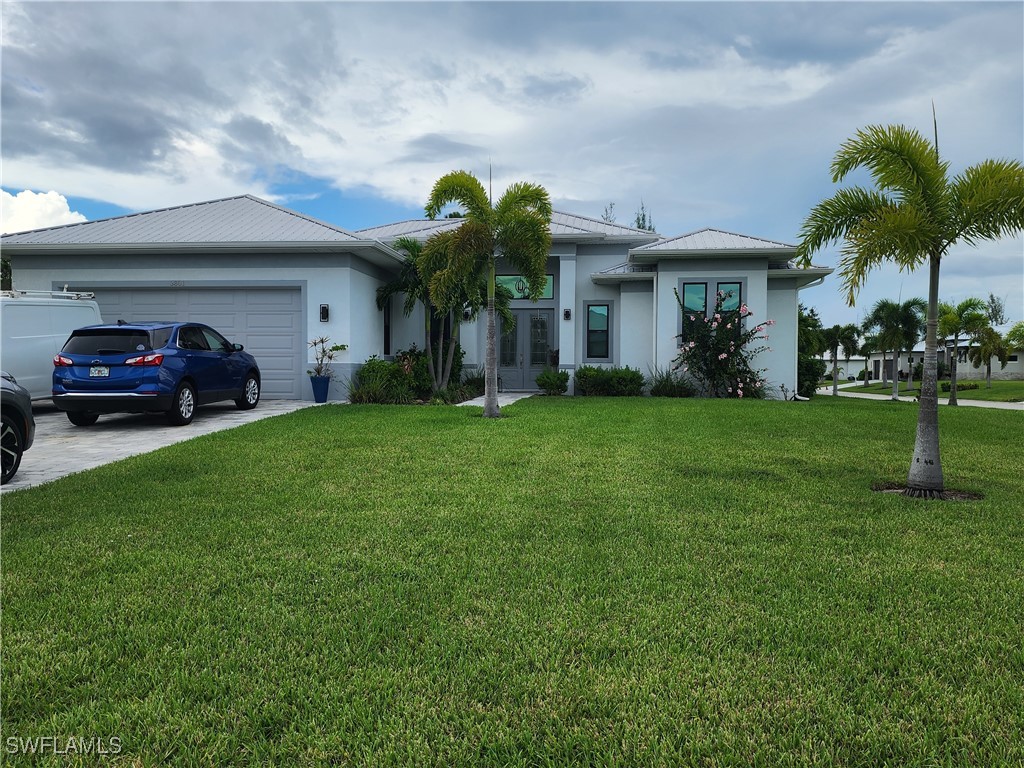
{"x":609,"y":382}
{"x":960,"y":385}
{"x":553,"y":382}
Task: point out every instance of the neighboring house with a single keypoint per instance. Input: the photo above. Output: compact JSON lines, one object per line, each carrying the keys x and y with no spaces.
{"x":272,"y":279}
{"x":965,"y":369}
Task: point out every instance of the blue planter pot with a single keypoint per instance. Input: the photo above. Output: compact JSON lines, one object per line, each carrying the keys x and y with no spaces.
{"x":321,"y":386}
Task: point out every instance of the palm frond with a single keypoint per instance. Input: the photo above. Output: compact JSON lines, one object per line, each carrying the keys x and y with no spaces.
{"x":900,"y":160}
{"x":988,"y":201}
{"x":463,"y":188}
{"x":832,"y":219}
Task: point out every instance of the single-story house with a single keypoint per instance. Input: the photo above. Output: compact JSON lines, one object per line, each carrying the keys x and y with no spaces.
{"x":272,"y":279}
{"x":965,"y":369}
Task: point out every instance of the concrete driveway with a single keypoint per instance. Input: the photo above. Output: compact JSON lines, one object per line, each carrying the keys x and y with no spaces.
{"x":60,"y":448}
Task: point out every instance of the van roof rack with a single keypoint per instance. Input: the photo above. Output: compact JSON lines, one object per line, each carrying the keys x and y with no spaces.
{"x":73,"y":295}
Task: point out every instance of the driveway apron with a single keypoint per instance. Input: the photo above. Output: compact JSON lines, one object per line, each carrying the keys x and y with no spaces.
{"x":61,"y":449}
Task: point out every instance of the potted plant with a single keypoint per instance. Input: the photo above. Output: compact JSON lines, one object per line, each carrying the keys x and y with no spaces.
{"x":322,"y":372}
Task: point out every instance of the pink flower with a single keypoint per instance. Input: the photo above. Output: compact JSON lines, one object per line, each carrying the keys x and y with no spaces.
{"x":691,"y":317}
{"x":693,"y":344}
{"x":728,"y":325}
{"x":741,"y":393}
{"x":714,"y":325}
{"x":723,"y":356}
{"x":743,"y":308}
{"x":717,"y":316}
{"x":729,"y":390}
{"x":771,"y":322}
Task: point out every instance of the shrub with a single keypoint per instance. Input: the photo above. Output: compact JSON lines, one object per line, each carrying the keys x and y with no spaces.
{"x":553,"y":382}
{"x":942,"y":370}
{"x":381,"y":381}
{"x":715,"y":352}
{"x":960,"y":385}
{"x":809,"y":371}
{"x":667,"y":383}
{"x":473,"y":383}
{"x":609,"y":382}
{"x":414,"y":362}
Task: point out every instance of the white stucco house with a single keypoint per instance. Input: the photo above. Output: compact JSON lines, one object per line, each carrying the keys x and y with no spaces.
{"x":272,"y":279}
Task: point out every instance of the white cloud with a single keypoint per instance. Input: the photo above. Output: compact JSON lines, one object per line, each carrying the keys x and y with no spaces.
{"x":35,"y":210}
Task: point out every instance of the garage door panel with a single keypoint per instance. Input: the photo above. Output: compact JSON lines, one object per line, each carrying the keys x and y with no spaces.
{"x":267,"y":322}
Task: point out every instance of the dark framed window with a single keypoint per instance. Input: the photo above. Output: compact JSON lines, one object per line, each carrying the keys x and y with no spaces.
{"x":732,"y":296}
{"x":599,"y":331}
{"x":387,"y":327}
{"x":695,"y":298}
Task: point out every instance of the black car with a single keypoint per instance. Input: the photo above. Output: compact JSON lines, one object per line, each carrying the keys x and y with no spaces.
{"x":18,"y":429}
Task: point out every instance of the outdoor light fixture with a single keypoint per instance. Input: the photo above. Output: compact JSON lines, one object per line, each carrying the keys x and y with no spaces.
{"x":325,"y":313}
{"x":466,"y":313}
{"x":567,"y":314}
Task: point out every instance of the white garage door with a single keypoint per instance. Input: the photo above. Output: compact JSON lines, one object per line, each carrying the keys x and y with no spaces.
{"x":266,"y":321}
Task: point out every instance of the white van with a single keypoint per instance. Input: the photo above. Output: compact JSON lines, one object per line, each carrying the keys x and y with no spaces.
{"x":34,"y":326}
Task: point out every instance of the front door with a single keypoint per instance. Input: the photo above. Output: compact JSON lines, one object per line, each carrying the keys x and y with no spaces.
{"x":524,"y":351}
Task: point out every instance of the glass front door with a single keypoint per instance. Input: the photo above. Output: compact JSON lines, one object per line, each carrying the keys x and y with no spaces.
{"x":524,"y":351}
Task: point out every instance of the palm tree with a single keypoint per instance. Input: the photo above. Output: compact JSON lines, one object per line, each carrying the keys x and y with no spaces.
{"x":988,"y":343}
{"x":967,"y":317}
{"x":914,"y":214}
{"x":411,"y":282}
{"x":517,"y":227}
{"x":837,"y":336}
{"x":899,"y":327}
{"x":1015,"y":336}
{"x":869,"y":345}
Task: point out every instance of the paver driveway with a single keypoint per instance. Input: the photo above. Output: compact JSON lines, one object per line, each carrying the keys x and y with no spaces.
{"x":61,"y":448}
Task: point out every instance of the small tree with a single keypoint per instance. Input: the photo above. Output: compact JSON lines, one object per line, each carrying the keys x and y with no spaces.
{"x":837,"y":336}
{"x":643,"y":219}
{"x":988,"y":344}
{"x":1015,"y":337}
{"x":967,"y":317}
{"x":715,"y":351}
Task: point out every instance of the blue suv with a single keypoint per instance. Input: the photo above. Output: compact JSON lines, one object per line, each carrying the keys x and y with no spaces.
{"x":145,"y":367}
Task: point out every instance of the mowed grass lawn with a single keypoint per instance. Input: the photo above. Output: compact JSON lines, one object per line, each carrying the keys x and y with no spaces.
{"x":584,"y":582}
{"x":1000,"y":391}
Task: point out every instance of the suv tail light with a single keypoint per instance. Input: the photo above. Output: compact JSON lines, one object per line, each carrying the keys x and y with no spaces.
{"x":155,"y":359}
{"x":59,"y":361}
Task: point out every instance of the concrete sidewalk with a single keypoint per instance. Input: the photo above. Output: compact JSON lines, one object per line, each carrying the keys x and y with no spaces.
{"x":844,"y":391}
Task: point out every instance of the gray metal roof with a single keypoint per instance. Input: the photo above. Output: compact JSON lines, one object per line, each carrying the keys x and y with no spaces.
{"x":566,"y":226}
{"x":243,"y":219}
{"x":715,"y":240}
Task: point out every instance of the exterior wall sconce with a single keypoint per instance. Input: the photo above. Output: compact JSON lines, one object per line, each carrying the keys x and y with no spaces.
{"x":325,"y":313}
{"x":567,"y":314}
{"x":466,"y":313}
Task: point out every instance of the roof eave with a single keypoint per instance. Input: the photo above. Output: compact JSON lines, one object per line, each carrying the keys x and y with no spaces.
{"x":603,"y":278}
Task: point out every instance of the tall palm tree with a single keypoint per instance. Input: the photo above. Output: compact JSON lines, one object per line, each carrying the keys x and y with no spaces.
{"x":517,"y":227}
{"x":869,"y":345}
{"x":988,"y":343}
{"x":914,"y":214}
{"x":837,"y":336}
{"x":898,"y":326}
{"x":967,"y":318}
{"x":1015,"y":337}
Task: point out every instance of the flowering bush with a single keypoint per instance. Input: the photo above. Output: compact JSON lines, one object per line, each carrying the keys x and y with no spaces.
{"x":716,"y":353}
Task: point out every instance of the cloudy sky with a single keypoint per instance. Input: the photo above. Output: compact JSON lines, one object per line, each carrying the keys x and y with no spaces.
{"x":714,"y":115}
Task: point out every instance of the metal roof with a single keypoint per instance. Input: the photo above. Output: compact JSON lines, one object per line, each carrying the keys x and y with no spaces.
{"x":243,"y":219}
{"x":715,"y":240}
{"x":567,"y":226}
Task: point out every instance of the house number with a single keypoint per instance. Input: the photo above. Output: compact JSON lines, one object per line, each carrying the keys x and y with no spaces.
{"x":177,"y":283}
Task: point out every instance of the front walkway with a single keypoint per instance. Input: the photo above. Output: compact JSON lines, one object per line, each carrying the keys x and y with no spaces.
{"x":848,"y":390}
{"x":504,"y":398}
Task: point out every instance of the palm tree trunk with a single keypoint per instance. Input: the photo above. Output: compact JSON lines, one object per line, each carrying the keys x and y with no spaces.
{"x":895,"y":376}
{"x":491,"y":410}
{"x":952,"y":369}
{"x":835,"y":377}
{"x":988,"y":375}
{"x":885,"y":371}
{"x":451,"y":354}
{"x":429,"y":350}
{"x":925,"y":476}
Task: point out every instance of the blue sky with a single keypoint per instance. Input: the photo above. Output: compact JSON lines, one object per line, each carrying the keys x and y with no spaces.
{"x":715,"y":115}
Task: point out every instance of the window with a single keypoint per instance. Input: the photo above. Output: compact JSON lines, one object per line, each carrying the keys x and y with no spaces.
{"x":695,"y":298}
{"x":731,"y":296}
{"x":598,"y":338}
{"x":519,"y":289}
{"x":387,"y":326}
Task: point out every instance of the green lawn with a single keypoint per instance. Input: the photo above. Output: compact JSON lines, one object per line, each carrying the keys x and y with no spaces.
{"x":584,"y":582}
{"x":1001,"y":391}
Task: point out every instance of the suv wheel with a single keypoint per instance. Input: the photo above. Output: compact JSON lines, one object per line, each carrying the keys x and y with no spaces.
{"x":250,"y":393}
{"x":12,"y":445}
{"x":82,"y":418}
{"x":184,"y":407}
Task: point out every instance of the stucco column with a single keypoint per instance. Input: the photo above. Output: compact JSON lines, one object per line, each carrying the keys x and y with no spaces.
{"x":566,"y":300}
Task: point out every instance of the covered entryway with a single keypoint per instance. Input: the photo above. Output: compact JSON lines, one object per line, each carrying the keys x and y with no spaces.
{"x":524,"y":351}
{"x":267,"y":321}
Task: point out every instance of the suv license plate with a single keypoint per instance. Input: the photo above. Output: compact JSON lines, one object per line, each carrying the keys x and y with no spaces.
{"x":99,"y":371}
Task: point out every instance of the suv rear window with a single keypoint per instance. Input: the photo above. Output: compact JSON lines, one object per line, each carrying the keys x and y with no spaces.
{"x":114,"y":341}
